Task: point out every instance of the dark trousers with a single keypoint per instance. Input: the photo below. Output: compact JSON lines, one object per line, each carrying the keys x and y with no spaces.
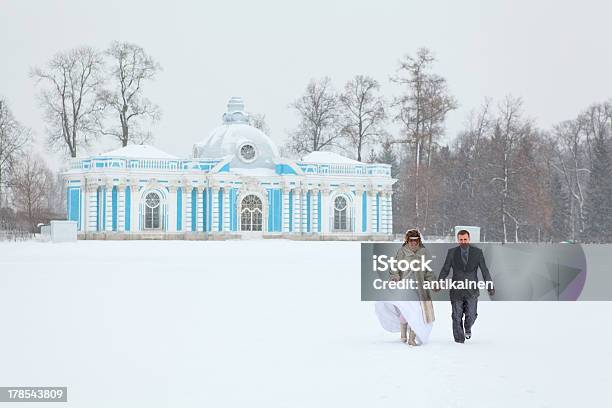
{"x":465,"y":306}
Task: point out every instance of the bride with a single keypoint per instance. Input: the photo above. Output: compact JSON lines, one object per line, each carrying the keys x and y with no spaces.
{"x":413,"y":319}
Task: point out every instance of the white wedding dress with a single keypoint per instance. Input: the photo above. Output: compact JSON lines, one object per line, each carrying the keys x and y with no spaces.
{"x":390,"y":313}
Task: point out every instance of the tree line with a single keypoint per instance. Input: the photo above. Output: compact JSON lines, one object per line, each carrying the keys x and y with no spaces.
{"x":501,"y":172}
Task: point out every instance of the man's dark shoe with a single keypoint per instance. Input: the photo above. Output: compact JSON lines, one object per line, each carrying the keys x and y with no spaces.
{"x":468,"y":335}
{"x":459,"y":341}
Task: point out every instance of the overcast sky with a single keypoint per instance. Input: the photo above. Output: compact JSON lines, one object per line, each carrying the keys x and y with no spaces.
{"x":557,"y":55}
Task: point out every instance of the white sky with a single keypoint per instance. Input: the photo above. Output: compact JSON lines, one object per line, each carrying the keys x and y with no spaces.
{"x":555,"y":54}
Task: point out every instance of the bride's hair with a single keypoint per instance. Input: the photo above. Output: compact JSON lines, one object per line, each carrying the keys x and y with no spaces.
{"x":415,"y":235}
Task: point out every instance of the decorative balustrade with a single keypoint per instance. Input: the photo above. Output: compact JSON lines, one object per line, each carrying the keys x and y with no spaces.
{"x":337,"y":169}
{"x":105,"y":163}
{"x":205,"y":165}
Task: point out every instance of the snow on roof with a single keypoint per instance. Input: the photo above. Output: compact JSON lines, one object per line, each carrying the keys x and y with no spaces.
{"x":226,"y":139}
{"x":139,"y":151}
{"x":327,"y":157}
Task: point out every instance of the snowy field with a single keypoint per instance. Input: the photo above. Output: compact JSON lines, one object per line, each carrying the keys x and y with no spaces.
{"x":272,"y":324}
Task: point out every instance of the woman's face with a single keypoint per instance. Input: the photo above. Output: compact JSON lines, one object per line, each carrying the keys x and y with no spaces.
{"x":413,"y":244}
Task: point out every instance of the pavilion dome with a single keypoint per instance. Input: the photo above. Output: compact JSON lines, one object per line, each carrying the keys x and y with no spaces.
{"x":250,"y":146}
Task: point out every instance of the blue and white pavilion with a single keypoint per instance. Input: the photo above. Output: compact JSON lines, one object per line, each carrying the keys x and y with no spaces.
{"x":235,"y":184}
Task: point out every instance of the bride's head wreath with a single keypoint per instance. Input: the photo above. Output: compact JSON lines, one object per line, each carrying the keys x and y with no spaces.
{"x":413,"y":235}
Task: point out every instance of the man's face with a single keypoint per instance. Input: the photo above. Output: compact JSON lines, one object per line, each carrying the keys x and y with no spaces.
{"x":464,"y":240}
{"x":413,"y":244}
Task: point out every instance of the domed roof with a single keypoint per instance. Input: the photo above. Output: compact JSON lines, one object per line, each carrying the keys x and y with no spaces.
{"x":235,"y":136}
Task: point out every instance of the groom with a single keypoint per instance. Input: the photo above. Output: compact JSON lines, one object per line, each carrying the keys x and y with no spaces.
{"x":465,"y":261}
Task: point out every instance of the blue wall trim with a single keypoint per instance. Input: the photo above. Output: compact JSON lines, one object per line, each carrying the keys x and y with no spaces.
{"x":233,"y":209}
{"x":377,"y":212}
{"x":205,"y":210}
{"x":194,"y":210}
{"x":364,"y":212}
{"x":284,"y":169}
{"x":290,"y":210}
{"x":179,"y":209}
{"x":210,"y":206}
{"x":73,"y":205}
{"x":275,"y":210}
{"x":220,"y":200}
{"x":104,"y":208}
{"x":319,"y":211}
{"x":98,"y":209}
{"x":308,"y":211}
{"x":114,"y":208}
{"x":128,"y":205}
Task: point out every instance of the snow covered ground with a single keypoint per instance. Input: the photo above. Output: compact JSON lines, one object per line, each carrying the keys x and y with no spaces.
{"x":273,"y":324}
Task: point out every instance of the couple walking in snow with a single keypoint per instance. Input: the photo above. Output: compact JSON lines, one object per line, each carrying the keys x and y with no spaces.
{"x":414,"y":319}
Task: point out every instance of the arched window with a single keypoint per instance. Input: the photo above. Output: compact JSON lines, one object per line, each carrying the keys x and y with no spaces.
{"x":340,"y":214}
{"x":251,"y":214}
{"x":152,"y":211}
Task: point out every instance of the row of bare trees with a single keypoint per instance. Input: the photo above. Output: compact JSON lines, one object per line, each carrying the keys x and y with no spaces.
{"x":503,"y":173}
{"x":85,"y":93}
{"x":518,"y":182}
{"x":350,"y":120}
{"x":30,"y":193}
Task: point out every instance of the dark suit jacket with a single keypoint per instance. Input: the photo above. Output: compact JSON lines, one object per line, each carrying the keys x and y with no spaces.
{"x":463,"y":271}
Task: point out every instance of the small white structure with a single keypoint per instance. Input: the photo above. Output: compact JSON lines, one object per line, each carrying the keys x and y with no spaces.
{"x":474,"y":232}
{"x":235,"y":185}
{"x":59,"y":231}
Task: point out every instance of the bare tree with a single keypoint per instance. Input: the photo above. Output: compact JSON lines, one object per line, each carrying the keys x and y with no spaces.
{"x":130,"y":68}
{"x":13,"y":138}
{"x":362,"y":112}
{"x":509,"y":130}
{"x":31,"y":188}
{"x":69,"y":99}
{"x":318,"y":114}
{"x":258,"y":121}
{"x":421,"y":110}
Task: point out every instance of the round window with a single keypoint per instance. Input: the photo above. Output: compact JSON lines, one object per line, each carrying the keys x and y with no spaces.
{"x":247,"y":152}
{"x":152,"y":200}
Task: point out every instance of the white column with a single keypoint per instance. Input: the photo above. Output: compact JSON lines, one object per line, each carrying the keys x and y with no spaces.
{"x":307,"y":214}
{"x":187,"y":206}
{"x":91,"y":207}
{"x":375,"y":213}
{"x":121,"y":207}
{"x":358,"y":212}
{"x":172,"y":210}
{"x":134,"y":210}
{"x":215,"y":208}
{"x":387,"y":212}
{"x":226,"y":208}
{"x":371,"y":209}
{"x":300,"y":194}
{"x":383,"y":212}
{"x":199,"y":208}
{"x":315,"y":209}
{"x":295,"y":211}
{"x":285,"y":209}
{"x":391,"y":212}
{"x":325,"y":193}
{"x":109,"y":207}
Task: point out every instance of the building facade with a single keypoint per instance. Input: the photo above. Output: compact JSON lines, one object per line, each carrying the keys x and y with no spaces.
{"x":235,"y":185}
